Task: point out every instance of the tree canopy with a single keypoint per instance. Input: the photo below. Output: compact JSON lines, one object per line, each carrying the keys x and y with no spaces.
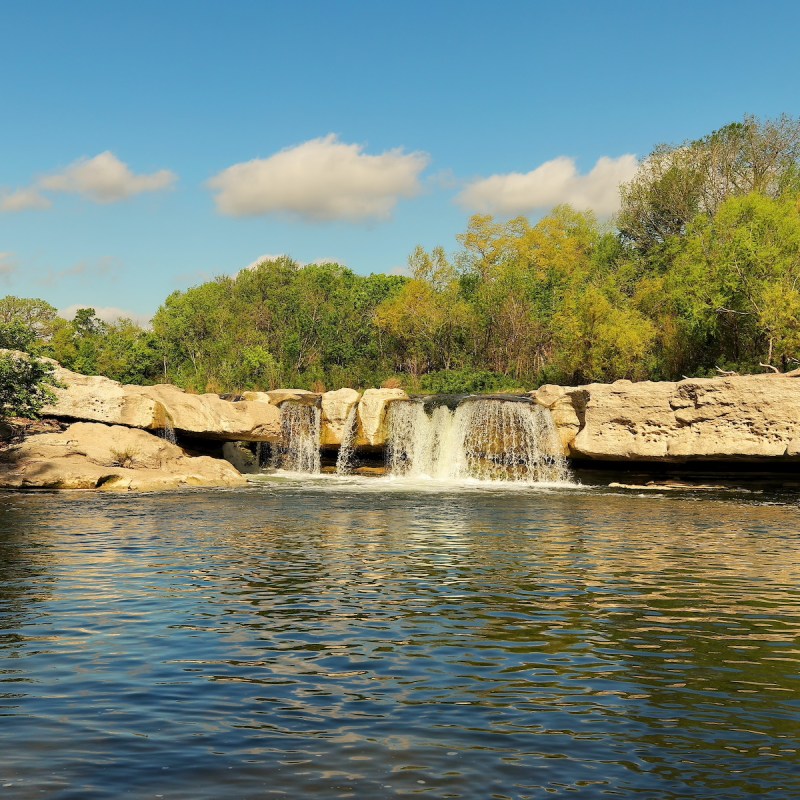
{"x":699,"y":271}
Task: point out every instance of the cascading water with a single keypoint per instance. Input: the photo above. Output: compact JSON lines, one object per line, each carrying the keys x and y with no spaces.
{"x":344,"y":458}
{"x":168,"y":431}
{"x":298,"y":450}
{"x":484,"y":439}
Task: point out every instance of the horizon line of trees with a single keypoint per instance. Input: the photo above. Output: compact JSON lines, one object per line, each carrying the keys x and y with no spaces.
{"x":699,"y":273}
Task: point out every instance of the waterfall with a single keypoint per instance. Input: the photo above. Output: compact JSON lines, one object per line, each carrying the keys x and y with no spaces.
{"x":168,"y":431}
{"x":344,"y":458}
{"x":484,"y":439}
{"x":298,"y":450}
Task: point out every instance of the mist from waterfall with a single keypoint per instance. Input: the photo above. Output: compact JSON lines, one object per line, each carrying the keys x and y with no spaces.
{"x":298,"y":450}
{"x":482,"y":439}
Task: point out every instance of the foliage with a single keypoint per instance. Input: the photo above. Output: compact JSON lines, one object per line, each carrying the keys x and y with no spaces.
{"x":23,"y":385}
{"x":735,"y":281}
{"x":463,"y":381}
{"x":702,"y":271}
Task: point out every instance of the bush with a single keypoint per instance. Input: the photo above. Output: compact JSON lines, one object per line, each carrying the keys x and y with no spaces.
{"x":24,"y":385}
{"x":463,"y":381}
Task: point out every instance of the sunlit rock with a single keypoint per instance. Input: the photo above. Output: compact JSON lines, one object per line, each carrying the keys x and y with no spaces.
{"x":337,"y":410}
{"x":91,"y":455}
{"x":209,"y":416}
{"x":733,"y":418}
{"x":94,"y":398}
{"x":372,"y":428}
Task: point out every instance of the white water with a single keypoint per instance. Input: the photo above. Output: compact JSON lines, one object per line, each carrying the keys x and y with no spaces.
{"x":344,"y":458}
{"x":484,"y":440}
{"x":300,"y":433}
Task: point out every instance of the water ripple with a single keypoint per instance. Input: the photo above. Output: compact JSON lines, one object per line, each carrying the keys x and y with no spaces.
{"x":349,"y":640}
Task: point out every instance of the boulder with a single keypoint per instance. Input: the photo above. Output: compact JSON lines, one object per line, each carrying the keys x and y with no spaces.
{"x":96,"y":399}
{"x":90,"y":455}
{"x":745,"y":418}
{"x":336,"y":408}
{"x":210,"y":417}
{"x":372,"y":415}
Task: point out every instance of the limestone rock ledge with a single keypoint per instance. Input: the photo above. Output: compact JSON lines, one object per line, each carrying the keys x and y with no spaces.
{"x":90,"y":455}
{"x":738,"y":418}
{"x":99,"y":399}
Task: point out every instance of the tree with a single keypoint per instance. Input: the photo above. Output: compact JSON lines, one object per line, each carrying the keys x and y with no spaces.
{"x":676,"y":182}
{"x":736,"y":281}
{"x":24,"y":385}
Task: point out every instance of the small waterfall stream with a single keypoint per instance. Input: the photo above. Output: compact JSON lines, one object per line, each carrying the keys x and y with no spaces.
{"x":298,"y":450}
{"x":345,"y":457}
{"x":482,"y":438}
{"x":168,"y":431}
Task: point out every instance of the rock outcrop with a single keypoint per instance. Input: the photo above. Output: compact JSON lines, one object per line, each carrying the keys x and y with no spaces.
{"x":336,"y":408}
{"x":98,"y":399}
{"x":210,"y":417}
{"x":372,"y":415}
{"x":739,"y":418}
{"x":94,"y":398}
{"x":91,"y":455}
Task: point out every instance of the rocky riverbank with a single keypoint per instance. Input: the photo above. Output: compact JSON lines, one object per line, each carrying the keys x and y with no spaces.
{"x":109,"y":436}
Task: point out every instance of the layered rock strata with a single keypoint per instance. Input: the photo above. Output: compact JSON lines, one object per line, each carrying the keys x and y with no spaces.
{"x":739,"y":418}
{"x":98,"y":399}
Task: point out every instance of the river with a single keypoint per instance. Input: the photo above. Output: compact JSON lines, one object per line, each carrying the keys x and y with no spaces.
{"x":369,"y":638}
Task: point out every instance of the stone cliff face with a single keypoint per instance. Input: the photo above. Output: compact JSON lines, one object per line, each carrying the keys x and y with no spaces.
{"x":740,"y":418}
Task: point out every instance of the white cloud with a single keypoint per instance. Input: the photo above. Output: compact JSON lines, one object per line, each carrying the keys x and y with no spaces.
{"x":105,"y":179}
{"x":554,"y":182}
{"x":8,"y":267}
{"x":106,"y":313}
{"x":28,"y":199}
{"x":320,"y":180}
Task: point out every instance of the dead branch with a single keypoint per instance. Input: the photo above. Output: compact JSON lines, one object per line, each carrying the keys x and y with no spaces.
{"x":769,"y":366}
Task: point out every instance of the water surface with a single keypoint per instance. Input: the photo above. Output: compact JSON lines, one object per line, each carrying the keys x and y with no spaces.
{"x":370,"y":639}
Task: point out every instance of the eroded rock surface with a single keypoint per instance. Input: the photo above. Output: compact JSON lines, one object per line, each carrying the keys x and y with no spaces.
{"x":372,"y":415}
{"x":90,"y":455}
{"x":98,"y":399}
{"x":209,"y":416}
{"x":748,"y":417}
{"x":94,"y":398}
{"x":336,"y":408}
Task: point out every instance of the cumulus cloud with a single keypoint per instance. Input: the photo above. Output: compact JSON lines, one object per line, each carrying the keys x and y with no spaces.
{"x":320,"y":180}
{"x":28,"y":199}
{"x":8,"y":267}
{"x":554,"y":182}
{"x":105,"y":179}
{"x":106,"y":313}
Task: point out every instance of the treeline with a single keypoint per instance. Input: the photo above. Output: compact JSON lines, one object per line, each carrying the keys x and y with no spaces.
{"x":699,"y":273}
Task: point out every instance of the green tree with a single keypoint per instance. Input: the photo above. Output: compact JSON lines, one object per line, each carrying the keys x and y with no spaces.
{"x":677,"y":182}
{"x":735,"y":281}
{"x":24,"y":383}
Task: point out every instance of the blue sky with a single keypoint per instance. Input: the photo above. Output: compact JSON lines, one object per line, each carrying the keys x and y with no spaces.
{"x":148,"y":146}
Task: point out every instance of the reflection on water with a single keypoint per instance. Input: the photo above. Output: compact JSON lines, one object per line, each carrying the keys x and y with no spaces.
{"x":362,"y":639}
